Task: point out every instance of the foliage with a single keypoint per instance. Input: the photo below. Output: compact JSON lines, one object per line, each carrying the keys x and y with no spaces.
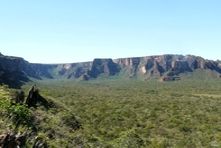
{"x":128,"y":139}
{"x":40,"y":121}
{"x":116,"y":113}
{"x":17,"y":112}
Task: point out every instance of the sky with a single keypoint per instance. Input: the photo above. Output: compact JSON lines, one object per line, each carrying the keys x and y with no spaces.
{"x":69,"y":31}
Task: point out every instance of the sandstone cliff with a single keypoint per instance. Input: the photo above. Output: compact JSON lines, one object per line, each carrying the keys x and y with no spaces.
{"x":105,"y":66}
{"x":15,"y":71}
{"x":10,"y":71}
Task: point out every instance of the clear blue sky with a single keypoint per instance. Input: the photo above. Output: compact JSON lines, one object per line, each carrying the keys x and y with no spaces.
{"x":65,"y":31}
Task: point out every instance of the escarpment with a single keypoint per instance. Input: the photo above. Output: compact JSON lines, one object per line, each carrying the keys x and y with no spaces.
{"x":15,"y":71}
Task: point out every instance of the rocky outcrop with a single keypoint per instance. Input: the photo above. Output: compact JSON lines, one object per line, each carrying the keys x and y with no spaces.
{"x":166,"y":67}
{"x":19,"y":140}
{"x":15,"y":71}
{"x":105,"y":66}
{"x":10,"y":71}
{"x":73,"y":70}
{"x":13,"y":140}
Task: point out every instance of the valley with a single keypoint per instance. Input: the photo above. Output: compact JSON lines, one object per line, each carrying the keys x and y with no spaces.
{"x":111,"y":104}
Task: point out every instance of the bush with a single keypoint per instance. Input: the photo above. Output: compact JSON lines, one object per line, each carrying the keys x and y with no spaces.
{"x":128,"y":139}
{"x":17,"y":112}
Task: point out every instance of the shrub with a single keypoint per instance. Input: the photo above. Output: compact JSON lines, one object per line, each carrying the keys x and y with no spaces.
{"x":128,"y":139}
{"x":17,"y":112}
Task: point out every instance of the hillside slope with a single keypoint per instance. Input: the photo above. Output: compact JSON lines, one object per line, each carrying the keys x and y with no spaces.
{"x":39,"y":122}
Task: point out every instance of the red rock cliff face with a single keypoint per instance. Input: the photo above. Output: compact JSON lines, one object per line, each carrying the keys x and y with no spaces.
{"x":73,"y":70}
{"x":163,"y":67}
{"x":166,"y":67}
{"x":127,"y":62}
{"x":105,"y":66}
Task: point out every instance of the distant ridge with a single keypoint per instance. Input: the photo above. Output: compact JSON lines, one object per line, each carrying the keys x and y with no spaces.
{"x":169,"y":67}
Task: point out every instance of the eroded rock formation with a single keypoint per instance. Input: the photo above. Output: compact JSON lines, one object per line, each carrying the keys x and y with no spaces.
{"x":15,"y":71}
